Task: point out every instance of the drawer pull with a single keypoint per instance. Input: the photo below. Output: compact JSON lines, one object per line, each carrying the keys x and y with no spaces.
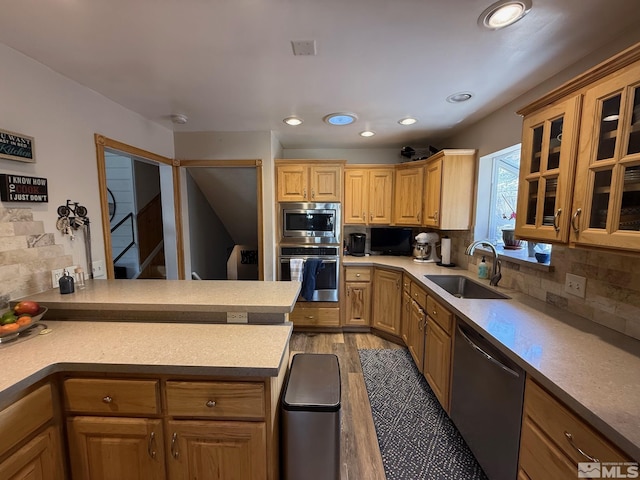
{"x":308,"y":316}
{"x":210,"y":403}
{"x":174,"y":445}
{"x":435,"y":313}
{"x":151,"y":444}
{"x":358,"y":275}
{"x":107,"y":399}
{"x":579,"y":450}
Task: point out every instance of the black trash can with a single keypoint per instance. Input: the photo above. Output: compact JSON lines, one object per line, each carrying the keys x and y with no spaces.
{"x":311,"y":418}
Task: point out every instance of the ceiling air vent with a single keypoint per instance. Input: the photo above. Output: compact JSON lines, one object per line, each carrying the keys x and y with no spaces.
{"x":304,"y":47}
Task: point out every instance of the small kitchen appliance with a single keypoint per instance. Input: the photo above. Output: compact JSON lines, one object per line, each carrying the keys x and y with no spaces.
{"x":424,"y":249}
{"x":356,"y":244}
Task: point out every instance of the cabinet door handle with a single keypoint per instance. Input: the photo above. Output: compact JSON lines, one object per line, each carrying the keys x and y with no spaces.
{"x":573,"y":220}
{"x":435,"y":215}
{"x":304,"y":193}
{"x":107,"y":399}
{"x":313,"y":193}
{"x":210,"y":403}
{"x":556,"y":217}
{"x":579,"y":450}
{"x":151,"y":444}
{"x":371,"y":217}
{"x":364,"y":216}
{"x":419,"y":216}
{"x":174,"y":445}
{"x":348,"y":292}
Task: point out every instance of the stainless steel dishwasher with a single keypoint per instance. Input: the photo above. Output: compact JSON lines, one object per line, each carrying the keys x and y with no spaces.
{"x":486,"y":403}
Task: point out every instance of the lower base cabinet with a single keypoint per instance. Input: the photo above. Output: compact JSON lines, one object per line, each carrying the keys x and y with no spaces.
{"x":437,"y":362}
{"x":387,"y":300}
{"x":38,"y":459}
{"x":305,"y":315}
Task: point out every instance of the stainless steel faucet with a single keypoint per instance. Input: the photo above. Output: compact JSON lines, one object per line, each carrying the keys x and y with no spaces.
{"x":496,"y":271}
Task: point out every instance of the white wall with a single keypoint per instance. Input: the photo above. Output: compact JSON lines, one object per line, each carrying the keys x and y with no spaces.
{"x":351,"y":155}
{"x":63,"y":116}
{"x":234,"y":146}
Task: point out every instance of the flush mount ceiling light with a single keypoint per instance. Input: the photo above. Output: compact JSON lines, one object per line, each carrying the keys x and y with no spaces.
{"x":367,"y":133}
{"x":407,"y":121}
{"x":504,"y":13}
{"x":459,"y":97}
{"x":293,"y":121}
{"x":179,"y":118}
{"x":340,"y":119}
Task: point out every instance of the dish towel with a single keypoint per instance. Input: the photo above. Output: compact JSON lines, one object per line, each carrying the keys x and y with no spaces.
{"x":296,"y":266}
{"x":311,"y":268}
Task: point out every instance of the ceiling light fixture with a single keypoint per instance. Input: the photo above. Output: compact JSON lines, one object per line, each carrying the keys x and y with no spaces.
{"x":293,"y":121}
{"x":340,"y":119}
{"x":367,"y":133}
{"x":407,"y":121}
{"x":179,"y":118}
{"x":459,"y":97}
{"x":504,"y":13}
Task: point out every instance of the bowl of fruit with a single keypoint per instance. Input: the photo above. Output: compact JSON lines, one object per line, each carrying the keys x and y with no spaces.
{"x":21,"y":317}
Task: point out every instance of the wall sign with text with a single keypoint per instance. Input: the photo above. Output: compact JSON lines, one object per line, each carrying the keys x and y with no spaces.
{"x":18,"y":188}
{"x":15,"y":146}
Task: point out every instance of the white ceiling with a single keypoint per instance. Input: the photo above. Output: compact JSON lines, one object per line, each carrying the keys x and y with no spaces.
{"x":228,"y":64}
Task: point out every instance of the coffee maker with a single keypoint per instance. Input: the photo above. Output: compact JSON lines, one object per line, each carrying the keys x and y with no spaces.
{"x":356,"y":244}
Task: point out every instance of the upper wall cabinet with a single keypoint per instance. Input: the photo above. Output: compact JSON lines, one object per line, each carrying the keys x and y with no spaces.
{"x":409,"y":184}
{"x":547,"y":164}
{"x":449,"y":190}
{"x":368,"y":195}
{"x":581,"y":147}
{"x":309,"y":180}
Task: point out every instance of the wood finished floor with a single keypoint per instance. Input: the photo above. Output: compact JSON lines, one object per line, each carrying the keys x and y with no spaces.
{"x":360,"y":455}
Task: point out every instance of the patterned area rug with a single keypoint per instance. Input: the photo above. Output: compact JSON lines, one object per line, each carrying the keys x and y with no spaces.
{"x":417,"y":439}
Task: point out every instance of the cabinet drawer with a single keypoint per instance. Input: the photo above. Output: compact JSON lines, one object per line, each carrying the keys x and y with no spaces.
{"x":358,"y":274}
{"x":105,"y":396}
{"x":419,"y":295}
{"x":315,"y":316}
{"x":23,"y":417}
{"x":441,"y":315}
{"x":556,"y":421}
{"x":216,"y":399}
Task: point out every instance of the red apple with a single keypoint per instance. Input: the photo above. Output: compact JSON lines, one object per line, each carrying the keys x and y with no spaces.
{"x":27,"y":306}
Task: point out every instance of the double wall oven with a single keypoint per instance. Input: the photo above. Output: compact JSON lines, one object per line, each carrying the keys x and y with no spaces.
{"x":311,"y":231}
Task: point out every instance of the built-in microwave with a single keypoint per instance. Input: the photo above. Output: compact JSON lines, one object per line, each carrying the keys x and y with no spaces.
{"x":310,"y":223}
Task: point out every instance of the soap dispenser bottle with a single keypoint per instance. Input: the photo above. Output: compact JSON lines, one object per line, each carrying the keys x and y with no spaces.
{"x":483,"y":269}
{"x":66,"y":283}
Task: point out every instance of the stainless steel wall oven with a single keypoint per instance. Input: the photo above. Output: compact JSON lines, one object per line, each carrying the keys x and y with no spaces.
{"x":328,"y":275}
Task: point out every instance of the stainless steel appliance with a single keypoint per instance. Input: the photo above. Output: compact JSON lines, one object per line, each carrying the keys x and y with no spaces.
{"x":310,"y":223}
{"x":357,"y":243}
{"x":328,"y":276}
{"x":424,"y":250}
{"x":486,"y":403}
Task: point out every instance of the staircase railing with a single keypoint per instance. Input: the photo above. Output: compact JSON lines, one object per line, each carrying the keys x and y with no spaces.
{"x":129,"y":217}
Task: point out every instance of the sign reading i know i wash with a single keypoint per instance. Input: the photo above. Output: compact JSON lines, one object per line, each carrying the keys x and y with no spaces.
{"x":18,"y":188}
{"x":15,"y":146}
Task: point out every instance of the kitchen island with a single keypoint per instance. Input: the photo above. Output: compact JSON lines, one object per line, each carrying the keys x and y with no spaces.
{"x":211,"y":301}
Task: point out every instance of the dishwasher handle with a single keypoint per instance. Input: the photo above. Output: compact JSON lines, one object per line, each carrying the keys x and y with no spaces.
{"x":487,"y":356}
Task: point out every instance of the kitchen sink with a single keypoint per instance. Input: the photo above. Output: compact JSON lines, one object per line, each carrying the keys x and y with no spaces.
{"x":463,"y":287}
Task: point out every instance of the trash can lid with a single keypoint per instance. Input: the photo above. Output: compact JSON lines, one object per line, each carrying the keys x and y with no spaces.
{"x":313,"y":384}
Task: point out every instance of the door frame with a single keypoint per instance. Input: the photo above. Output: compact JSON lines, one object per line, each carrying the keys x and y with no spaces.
{"x":103,"y":142}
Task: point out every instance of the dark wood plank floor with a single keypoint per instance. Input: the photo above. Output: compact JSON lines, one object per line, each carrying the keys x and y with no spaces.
{"x":360,"y":455}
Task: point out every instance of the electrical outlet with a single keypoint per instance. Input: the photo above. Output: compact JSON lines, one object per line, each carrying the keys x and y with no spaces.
{"x":237,"y":317}
{"x":575,"y":285}
{"x":97,"y":268}
{"x":55,"y":276}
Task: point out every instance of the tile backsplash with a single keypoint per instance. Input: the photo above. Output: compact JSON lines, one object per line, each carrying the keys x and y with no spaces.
{"x":613,"y":282}
{"x":27,"y":255}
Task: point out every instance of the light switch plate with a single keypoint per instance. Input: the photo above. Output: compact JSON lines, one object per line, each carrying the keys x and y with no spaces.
{"x":575,"y":285}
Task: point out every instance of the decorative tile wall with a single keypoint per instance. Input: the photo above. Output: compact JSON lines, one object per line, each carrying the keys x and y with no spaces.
{"x":613,"y":282}
{"x":27,"y":255}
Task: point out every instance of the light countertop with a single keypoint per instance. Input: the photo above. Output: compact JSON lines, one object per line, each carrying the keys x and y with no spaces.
{"x":144,"y":348}
{"x":593,"y":369}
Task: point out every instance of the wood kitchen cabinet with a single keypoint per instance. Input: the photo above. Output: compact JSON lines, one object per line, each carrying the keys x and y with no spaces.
{"x":30,"y":443}
{"x":309,"y":180}
{"x":438,"y":347}
{"x":387,"y":297}
{"x":358,"y":296}
{"x":554,"y":439}
{"x":408,"y":190}
{"x":313,"y":315}
{"x":417,"y":324}
{"x":368,"y":195}
{"x":449,"y":189}
{"x":405,"y":316}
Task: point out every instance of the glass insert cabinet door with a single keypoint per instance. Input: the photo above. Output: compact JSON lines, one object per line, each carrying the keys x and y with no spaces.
{"x":549,"y":142}
{"x":607,"y":197}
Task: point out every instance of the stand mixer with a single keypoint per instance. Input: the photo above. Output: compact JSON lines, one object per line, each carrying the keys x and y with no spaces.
{"x":424,"y":249}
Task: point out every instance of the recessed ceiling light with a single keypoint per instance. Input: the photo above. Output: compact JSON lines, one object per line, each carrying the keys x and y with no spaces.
{"x":340,"y":119}
{"x":367,"y":133}
{"x":459,"y":97}
{"x":504,"y":13}
{"x":407,"y":121}
{"x":179,"y":118}
{"x":293,"y":121}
